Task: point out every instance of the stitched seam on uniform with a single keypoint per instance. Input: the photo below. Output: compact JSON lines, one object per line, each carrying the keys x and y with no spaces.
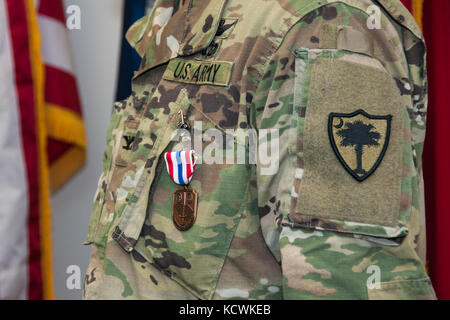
{"x":403,"y":283}
{"x":276,"y":48}
{"x":366,"y":16}
{"x":417,"y":33}
{"x":424,"y":284}
{"x":307,"y":6}
{"x":339,"y":2}
{"x":401,"y":233}
{"x":283,"y":37}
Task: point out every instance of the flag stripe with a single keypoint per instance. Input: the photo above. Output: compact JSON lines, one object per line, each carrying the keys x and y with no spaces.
{"x":55,"y":56}
{"x":24,"y":83}
{"x":14,"y":190}
{"x":407,"y":4}
{"x":59,"y":119}
{"x":43,"y":190}
{"x":417,"y":8}
{"x":64,"y":123}
{"x":61,"y":89}
{"x":52,"y":9}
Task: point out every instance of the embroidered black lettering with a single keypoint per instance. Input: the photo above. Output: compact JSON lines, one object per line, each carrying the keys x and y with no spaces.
{"x":186,"y":71}
{"x":216,"y":69}
{"x":210,"y":72}
{"x":203,"y":73}
{"x":196,"y":74}
{"x":178,"y":70}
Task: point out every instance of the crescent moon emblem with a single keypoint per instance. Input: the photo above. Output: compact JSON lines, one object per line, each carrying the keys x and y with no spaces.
{"x":341,"y":123}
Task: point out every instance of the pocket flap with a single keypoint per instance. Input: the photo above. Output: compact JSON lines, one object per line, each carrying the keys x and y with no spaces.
{"x":142,"y":163}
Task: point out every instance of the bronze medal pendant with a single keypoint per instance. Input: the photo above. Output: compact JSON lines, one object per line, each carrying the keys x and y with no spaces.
{"x":184,"y":208}
{"x":180,"y":167}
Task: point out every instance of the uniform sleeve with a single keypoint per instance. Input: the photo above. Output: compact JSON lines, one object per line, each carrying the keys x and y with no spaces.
{"x":337,"y":175}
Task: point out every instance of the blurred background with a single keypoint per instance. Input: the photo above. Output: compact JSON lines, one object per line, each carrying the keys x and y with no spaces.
{"x":96,"y":53}
{"x":97,"y":49}
{"x":73,"y":74}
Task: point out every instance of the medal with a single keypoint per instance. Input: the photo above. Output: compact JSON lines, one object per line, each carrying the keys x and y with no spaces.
{"x":181,"y":166}
{"x":184,"y":208}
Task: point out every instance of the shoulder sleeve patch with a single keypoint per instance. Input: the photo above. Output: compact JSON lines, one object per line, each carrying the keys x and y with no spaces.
{"x":353,"y":137}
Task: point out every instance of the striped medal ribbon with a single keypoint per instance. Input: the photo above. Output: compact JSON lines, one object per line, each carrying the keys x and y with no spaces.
{"x":181,"y":166}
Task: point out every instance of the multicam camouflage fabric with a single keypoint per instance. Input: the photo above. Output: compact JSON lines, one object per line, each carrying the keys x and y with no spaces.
{"x":308,"y":230}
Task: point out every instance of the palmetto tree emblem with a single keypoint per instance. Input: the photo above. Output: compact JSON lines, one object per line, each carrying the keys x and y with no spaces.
{"x":360,"y":132}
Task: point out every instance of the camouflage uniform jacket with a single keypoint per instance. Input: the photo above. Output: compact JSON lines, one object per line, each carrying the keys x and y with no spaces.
{"x":334,"y":92}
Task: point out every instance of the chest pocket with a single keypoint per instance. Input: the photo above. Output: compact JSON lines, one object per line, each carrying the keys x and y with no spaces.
{"x":138,"y":154}
{"x":353,"y":145}
{"x":194,"y":258}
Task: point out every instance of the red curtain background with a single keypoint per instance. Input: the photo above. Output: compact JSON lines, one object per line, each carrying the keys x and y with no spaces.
{"x":436,"y":25}
{"x":434,"y":17}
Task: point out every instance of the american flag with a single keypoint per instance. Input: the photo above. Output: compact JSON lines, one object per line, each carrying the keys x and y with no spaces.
{"x":42,"y":139}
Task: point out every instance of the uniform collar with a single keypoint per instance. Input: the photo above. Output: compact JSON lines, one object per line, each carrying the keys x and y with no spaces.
{"x":173,"y":30}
